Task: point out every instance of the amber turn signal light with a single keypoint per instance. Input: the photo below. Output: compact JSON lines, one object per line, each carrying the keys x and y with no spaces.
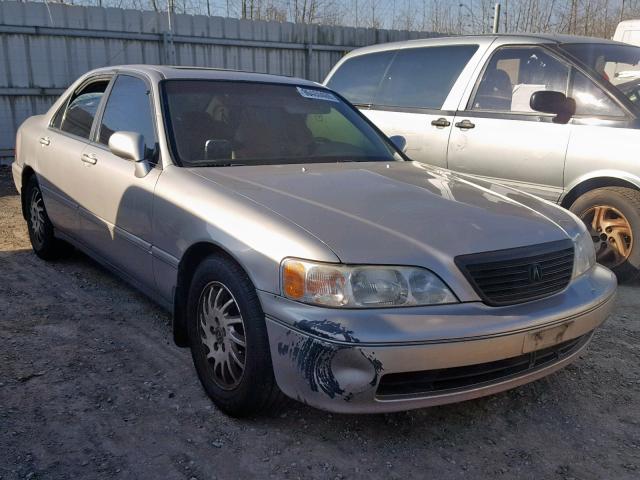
{"x":293,"y":275}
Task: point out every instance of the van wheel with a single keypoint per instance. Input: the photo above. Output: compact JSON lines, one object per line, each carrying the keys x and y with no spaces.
{"x":228,"y":340}
{"x":44,"y":243}
{"x":612,"y":215}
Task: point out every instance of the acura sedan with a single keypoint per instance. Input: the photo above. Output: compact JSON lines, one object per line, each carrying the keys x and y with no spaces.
{"x":300,"y":252}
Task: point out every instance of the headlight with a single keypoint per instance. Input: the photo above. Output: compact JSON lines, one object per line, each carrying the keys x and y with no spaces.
{"x":585,"y":253}
{"x":349,"y":286}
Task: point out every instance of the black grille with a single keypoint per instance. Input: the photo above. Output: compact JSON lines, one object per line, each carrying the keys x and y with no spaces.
{"x":516,"y":275}
{"x":431,"y":382}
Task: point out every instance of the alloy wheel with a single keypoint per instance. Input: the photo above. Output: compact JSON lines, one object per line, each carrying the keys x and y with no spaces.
{"x":37,"y":216}
{"x":222,"y":332}
{"x":611,"y":233}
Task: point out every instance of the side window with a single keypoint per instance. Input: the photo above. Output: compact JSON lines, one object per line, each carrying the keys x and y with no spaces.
{"x":423,"y":77}
{"x":82,"y":108}
{"x":358,"y":78}
{"x":129,"y":109}
{"x":591,"y":100}
{"x":514,"y":74}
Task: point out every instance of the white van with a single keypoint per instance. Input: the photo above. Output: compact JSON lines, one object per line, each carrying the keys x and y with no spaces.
{"x":628,"y":32}
{"x":553,"y":115}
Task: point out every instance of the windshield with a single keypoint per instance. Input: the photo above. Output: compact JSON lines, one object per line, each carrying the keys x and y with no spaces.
{"x":222,"y":123}
{"x":618,"y":64}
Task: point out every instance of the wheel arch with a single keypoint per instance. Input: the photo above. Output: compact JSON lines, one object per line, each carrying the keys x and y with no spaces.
{"x":27,"y":173}
{"x":192,"y":257}
{"x":584,"y":185}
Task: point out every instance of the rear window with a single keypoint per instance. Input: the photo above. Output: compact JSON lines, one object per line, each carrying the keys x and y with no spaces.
{"x":423,"y":77}
{"x":409,"y":78}
{"x":358,"y":78}
{"x":79,"y":115}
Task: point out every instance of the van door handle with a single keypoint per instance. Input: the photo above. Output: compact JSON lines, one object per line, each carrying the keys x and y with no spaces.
{"x":89,"y":158}
{"x":441,"y":122}
{"x":465,"y":125}
{"x":45,"y":141}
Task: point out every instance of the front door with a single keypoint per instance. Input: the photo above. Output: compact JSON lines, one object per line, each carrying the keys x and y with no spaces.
{"x":498,"y":136}
{"x":116,"y":207}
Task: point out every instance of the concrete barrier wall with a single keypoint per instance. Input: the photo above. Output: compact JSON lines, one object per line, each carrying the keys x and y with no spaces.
{"x":44,"y":48}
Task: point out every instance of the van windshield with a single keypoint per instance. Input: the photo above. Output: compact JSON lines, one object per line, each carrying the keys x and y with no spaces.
{"x":224,"y":123}
{"x":618,"y":64}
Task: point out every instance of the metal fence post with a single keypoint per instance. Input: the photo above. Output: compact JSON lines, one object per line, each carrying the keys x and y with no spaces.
{"x":307,"y":60}
{"x":168,"y":49}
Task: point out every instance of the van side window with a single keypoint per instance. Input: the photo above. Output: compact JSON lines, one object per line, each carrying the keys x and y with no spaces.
{"x":358,"y":78}
{"x":423,"y":77}
{"x":514,"y":74}
{"x":82,"y":108}
{"x":591,"y":100}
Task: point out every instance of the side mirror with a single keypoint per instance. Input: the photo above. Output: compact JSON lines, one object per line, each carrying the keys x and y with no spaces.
{"x":127,"y":145}
{"x":399,"y":141}
{"x":557,"y":103}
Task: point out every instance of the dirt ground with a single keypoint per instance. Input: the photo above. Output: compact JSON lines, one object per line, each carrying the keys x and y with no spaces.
{"x":91,"y":386}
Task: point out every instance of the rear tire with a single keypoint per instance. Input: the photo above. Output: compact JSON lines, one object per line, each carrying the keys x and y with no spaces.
{"x":228,"y":340}
{"x":41,"y":232}
{"x":612,"y":215}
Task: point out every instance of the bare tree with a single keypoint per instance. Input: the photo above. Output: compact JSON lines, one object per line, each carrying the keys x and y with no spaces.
{"x":583,"y":17}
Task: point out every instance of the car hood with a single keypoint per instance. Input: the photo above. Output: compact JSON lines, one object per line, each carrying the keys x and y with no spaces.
{"x":403,"y":213}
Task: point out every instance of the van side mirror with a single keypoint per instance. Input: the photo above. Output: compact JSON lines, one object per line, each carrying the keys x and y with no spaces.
{"x":218,"y":149}
{"x":557,"y":103}
{"x":127,"y":145}
{"x":399,"y":141}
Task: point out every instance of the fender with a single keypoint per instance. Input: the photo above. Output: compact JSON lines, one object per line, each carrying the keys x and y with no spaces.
{"x":597,"y":179}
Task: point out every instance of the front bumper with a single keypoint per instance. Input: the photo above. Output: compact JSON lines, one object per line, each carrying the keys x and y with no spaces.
{"x":339,"y":360}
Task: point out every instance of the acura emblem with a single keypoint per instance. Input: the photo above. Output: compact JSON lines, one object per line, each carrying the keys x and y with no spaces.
{"x":535,"y":273}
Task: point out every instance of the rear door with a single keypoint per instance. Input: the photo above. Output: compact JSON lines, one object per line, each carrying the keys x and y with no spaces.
{"x":60,"y":160}
{"x":498,"y":136}
{"x":407,"y":92}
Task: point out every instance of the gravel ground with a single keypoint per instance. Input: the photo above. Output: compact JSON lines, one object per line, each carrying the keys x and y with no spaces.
{"x":91,"y":386}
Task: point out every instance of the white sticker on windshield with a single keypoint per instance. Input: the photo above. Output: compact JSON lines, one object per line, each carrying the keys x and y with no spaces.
{"x":317,"y":94}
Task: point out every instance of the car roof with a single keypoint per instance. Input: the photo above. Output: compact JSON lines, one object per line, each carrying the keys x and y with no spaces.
{"x":484,"y":39}
{"x":629,"y":23}
{"x":166,"y":72}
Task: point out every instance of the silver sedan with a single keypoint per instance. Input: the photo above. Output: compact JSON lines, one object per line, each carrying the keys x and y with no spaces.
{"x":300,"y":252}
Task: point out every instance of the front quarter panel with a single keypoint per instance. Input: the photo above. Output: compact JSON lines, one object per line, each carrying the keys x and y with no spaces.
{"x":189,"y":209}
{"x":598,"y":151}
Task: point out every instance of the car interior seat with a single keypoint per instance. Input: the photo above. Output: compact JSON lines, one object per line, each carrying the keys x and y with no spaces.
{"x":495,"y":91}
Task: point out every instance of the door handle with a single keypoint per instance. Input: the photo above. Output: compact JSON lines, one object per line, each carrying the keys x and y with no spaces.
{"x":465,"y":125}
{"x":441,"y":122}
{"x":89,"y":158}
{"x":45,"y":141}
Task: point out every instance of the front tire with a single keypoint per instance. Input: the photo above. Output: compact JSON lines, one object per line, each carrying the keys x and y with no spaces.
{"x":41,"y":234}
{"x":228,"y":339}
{"x":612,"y":215}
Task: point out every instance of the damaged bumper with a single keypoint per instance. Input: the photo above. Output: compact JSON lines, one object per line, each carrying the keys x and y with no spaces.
{"x":383,"y":360}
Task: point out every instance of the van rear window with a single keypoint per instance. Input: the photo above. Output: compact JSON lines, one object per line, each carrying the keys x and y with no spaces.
{"x":411,"y":77}
{"x":423,"y":77}
{"x":358,"y":78}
